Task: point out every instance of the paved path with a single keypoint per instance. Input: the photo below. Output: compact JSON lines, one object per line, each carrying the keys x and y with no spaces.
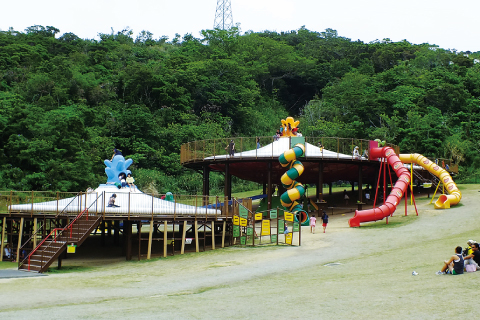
{"x":13,"y":273}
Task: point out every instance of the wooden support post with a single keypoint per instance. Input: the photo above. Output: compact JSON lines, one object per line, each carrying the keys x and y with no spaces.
{"x":213,"y":235}
{"x":102,"y":232}
{"x":196,"y":236}
{"x":277,"y":226}
{"x":269,"y":186}
{"x":127,"y":226}
{"x":35,"y":224}
{"x":173,"y":235}
{"x":109,"y":228}
{"x":139,"y":232}
{"x":299,"y":233}
{"x":204,"y":236}
{"x":165,"y":238}
{"x":319,"y":195}
{"x":360,"y":184}
{"x":206,"y":182}
{"x":2,"y":237}
{"x":116,"y":232}
{"x":228,"y":182}
{"x":184,"y":234}
{"x":20,"y":233}
{"x":223,"y":234}
{"x":150,"y":238}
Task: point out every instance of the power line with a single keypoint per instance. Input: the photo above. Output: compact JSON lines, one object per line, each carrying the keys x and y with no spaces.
{"x":223,"y":15}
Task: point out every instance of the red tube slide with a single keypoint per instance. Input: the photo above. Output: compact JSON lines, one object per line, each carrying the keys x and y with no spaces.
{"x":394,"y":197}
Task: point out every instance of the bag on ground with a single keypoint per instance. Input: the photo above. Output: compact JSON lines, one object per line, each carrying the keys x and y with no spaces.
{"x":470,"y":268}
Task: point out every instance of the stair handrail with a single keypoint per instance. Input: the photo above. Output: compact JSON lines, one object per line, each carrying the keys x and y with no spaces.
{"x":60,"y":232}
{"x":39,"y":245}
{"x":40,"y":228}
{"x":65,"y":208}
{"x":26,"y":242}
{"x":56,"y":235}
{"x":70,"y":225}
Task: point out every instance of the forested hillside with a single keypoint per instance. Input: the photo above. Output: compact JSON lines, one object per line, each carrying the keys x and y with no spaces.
{"x":65,"y":102}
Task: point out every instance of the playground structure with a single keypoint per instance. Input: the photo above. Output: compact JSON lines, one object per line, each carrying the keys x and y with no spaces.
{"x":404,"y":182}
{"x":295,"y":190}
{"x":319,"y":165}
{"x":41,"y":227}
{"x":62,"y":215}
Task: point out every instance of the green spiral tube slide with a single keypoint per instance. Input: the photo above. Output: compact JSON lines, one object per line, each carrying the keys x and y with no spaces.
{"x":295,"y":190}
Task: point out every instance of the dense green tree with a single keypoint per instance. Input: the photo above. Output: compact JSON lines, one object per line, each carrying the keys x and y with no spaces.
{"x":66,"y":102}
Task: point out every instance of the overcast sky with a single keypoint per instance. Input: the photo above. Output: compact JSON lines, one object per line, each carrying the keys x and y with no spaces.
{"x":448,"y":24}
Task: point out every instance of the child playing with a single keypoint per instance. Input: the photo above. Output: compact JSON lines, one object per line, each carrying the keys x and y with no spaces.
{"x":111,"y":201}
{"x":313,"y":221}
{"x":130,"y":182}
{"x":325,"y":221}
{"x":121,"y":177}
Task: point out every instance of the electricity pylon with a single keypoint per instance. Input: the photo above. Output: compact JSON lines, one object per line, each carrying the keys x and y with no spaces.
{"x":223,"y":15}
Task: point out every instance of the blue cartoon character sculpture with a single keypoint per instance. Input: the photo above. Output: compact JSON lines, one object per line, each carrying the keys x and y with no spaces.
{"x":116,"y":166}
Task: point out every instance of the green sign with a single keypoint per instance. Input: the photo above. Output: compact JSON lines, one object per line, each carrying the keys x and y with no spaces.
{"x":274,"y":238}
{"x":273,"y":214}
{"x":242,"y":211}
{"x":236,"y":231}
{"x":249,"y":231}
{"x":243,"y":240}
{"x":296,"y":227}
{"x":281,"y":226}
{"x":297,"y":140}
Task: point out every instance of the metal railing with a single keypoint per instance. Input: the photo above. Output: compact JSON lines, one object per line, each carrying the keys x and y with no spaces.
{"x":218,"y":149}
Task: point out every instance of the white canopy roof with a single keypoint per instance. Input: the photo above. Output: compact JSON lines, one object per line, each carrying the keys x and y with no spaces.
{"x":129,"y":202}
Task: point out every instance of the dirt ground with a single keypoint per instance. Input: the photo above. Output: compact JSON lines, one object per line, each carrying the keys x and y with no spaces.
{"x":349,"y":273}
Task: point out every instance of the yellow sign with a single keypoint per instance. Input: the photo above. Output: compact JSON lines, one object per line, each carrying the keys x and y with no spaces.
{"x":265,"y":227}
{"x":243,"y":222}
{"x":236,"y":220}
{"x":258,"y":216}
{"x":288,"y":216}
{"x":288,"y":238}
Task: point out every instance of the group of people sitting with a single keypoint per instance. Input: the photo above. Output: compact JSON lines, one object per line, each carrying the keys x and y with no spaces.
{"x":356,"y":153}
{"x":126,"y":181}
{"x":468,"y":260}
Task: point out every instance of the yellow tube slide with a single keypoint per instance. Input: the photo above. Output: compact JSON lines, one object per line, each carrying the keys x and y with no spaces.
{"x":444,"y":201}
